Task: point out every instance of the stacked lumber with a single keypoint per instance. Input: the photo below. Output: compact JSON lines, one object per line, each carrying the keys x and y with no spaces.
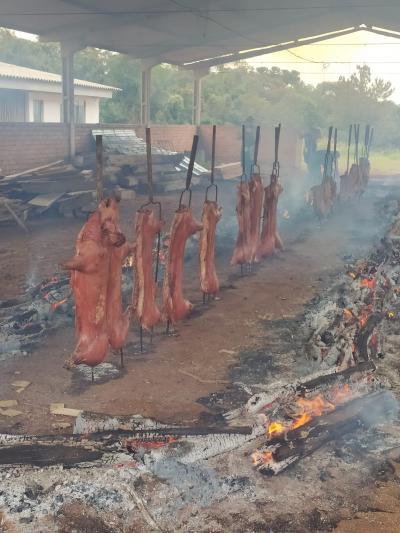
{"x":125,"y":163}
{"x":61,"y":187}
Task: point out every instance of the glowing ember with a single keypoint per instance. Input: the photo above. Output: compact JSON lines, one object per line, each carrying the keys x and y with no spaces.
{"x":149,"y":444}
{"x":352,"y":274}
{"x":57,"y":304}
{"x":367,"y":282}
{"x":347,"y":315}
{"x":261,"y":457}
{"x":391,"y":315}
{"x":364,"y":316}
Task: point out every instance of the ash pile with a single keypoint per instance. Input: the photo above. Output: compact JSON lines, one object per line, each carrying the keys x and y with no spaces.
{"x":125,"y":164}
{"x":43,"y":308}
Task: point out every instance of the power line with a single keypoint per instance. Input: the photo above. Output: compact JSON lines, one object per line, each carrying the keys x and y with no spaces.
{"x":184,"y":9}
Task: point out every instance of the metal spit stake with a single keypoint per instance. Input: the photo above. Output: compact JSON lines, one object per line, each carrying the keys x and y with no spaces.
{"x":356,"y":140}
{"x":371,"y":136}
{"x":275,"y":166}
{"x":328,"y":153}
{"x":348,"y":147}
{"x":212,"y":184}
{"x":189,"y":175}
{"x":99,"y":168}
{"x":255,"y":156}
{"x":334,"y":159}
{"x":243,"y":176}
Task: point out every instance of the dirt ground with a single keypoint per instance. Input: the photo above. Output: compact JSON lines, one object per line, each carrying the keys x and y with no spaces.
{"x":166,"y":382}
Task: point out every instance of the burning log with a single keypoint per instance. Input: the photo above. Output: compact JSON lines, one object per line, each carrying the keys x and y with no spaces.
{"x":300,"y":442}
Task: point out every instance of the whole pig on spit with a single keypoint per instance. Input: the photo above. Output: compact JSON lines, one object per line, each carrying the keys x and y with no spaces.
{"x":210,"y":217}
{"x":90,"y":271}
{"x":145,"y":306}
{"x":270,"y":240}
{"x":184,"y":225}
{"x":242,"y":252}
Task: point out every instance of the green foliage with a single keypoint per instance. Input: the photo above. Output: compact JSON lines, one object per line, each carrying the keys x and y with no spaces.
{"x":230,"y":94}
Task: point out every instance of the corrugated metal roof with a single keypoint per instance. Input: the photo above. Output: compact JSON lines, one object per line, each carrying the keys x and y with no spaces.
{"x":7,"y":70}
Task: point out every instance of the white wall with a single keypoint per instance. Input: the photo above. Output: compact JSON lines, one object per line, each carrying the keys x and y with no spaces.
{"x":52,"y":106}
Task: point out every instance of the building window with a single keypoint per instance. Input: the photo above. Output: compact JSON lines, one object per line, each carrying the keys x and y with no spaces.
{"x":80,"y":112}
{"x":38,"y":111}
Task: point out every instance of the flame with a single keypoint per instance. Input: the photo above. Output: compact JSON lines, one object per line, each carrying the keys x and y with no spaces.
{"x":364,"y":316}
{"x":353,"y":275}
{"x":301,"y":420}
{"x":307,"y":409}
{"x":57,"y":304}
{"x":261,"y":457}
{"x":391,"y":315}
{"x":275,"y":428}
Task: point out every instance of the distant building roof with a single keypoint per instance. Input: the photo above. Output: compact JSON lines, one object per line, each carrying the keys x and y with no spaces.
{"x":8,"y":70}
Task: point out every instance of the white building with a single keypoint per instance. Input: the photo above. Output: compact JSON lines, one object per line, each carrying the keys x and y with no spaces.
{"x":29,"y":95}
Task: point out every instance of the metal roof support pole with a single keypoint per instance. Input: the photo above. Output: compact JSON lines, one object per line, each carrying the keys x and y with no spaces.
{"x":68,"y":96}
{"x":198,"y":75}
{"x":145,"y":93}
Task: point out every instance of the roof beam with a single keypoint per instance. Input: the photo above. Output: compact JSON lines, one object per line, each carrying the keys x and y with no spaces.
{"x":270,"y":49}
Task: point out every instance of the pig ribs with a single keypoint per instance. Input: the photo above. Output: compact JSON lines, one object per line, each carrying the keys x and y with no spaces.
{"x":242,"y":251}
{"x":208,"y":275}
{"x":270,"y":239}
{"x":184,"y":225}
{"x":147,"y":225}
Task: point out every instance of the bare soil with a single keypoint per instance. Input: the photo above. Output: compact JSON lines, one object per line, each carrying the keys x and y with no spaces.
{"x":166,"y":382}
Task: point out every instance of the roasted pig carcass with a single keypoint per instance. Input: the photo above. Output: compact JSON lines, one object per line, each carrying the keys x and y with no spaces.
{"x":145,"y":308}
{"x":208,"y":275}
{"x":365,"y":168}
{"x":118,"y":320}
{"x":242,"y":251}
{"x":90,"y":270}
{"x":184,"y":225}
{"x":323,"y":197}
{"x":351,"y":184}
{"x":270,"y":239}
{"x":256,"y":204}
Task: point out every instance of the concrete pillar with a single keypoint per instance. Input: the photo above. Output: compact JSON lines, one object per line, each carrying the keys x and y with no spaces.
{"x":198,"y":74}
{"x":68,"y":100}
{"x":145,"y":92}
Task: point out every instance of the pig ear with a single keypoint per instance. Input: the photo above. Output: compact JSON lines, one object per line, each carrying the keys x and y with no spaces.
{"x":107,"y":202}
{"x":76,"y":263}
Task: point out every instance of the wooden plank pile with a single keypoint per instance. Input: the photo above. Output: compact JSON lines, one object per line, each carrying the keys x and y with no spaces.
{"x":125,"y":163}
{"x":61,"y":187}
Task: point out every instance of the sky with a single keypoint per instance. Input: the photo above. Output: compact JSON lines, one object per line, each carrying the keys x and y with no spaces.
{"x":327,"y":60}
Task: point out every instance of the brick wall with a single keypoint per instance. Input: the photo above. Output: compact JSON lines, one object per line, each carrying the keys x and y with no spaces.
{"x":229,"y":142}
{"x":28,"y":145}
